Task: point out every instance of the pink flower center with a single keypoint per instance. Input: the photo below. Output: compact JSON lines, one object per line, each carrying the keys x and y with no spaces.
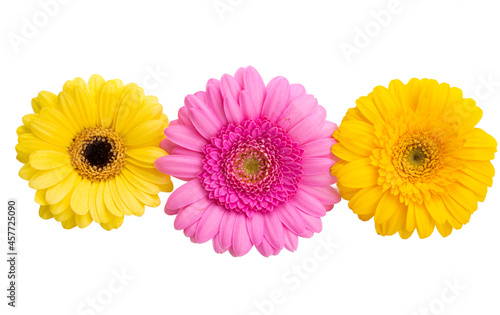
{"x":251,"y":166}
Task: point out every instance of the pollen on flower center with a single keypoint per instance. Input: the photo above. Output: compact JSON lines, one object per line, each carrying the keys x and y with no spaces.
{"x":416,"y":156}
{"x":97,"y":153}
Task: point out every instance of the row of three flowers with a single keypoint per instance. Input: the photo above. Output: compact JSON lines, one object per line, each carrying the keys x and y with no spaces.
{"x":257,"y":159}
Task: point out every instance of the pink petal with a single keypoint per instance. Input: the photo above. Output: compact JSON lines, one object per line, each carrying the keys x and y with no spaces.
{"x":202,"y":96}
{"x":307,"y":234}
{"x":255,"y":87}
{"x":291,"y":218}
{"x":308,"y":204}
{"x":273,"y":230}
{"x":309,"y":127}
{"x":291,"y":241}
{"x":186,"y":194}
{"x":241,"y":239}
{"x":214,"y":101}
{"x":183,"y":151}
{"x":327,"y":130}
{"x":171,"y":211}
{"x":255,"y":227}
{"x":277,"y":93}
{"x":184,"y":118}
{"x":265,"y":248}
{"x":180,"y":166}
{"x":297,"y":111}
{"x":187,"y":137}
{"x":238,"y":76}
{"x":207,"y":124}
{"x":232,"y":110}
{"x":167,"y":145}
{"x":324,"y":179}
{"x":226,"y":228}
{"x":312,"y":223}
{"x":247,"y":106}
{"x":315,"y":166}
{"x":229,"y":86}
{"x":192,"y":101}
{"x":190,"y":214}
{"x":296,"y":91}
{"x":316,"y":148}
{"x":216,"y":244}
{"x":327,"y":195}
{"x":208,"y":226}
{"x":191,"y":230}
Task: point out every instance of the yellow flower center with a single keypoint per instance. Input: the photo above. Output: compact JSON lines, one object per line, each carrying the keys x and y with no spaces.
{"x":97,"y":153}
{"x":416,"y":156}
{"x":252,"y":165}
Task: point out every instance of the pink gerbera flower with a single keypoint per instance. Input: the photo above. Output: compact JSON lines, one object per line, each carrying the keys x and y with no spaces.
{"x":257,"y":163}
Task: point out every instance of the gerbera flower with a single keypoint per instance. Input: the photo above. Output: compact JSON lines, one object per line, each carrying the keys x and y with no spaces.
{"x":256,"y":160}
{"x":90,"y":151}
{"x":412,"y":158}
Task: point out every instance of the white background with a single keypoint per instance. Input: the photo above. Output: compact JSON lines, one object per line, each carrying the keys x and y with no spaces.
{"x":59,"y":271}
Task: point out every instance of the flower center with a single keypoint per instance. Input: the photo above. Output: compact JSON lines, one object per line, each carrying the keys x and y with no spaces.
{"x":97,"y":153}
{"x":251,"y":166}
{"x":416,"y":156}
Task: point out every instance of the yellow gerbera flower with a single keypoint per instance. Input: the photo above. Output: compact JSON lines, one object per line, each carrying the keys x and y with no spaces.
{"x":412,"y":158}
{"x":90,"y":151}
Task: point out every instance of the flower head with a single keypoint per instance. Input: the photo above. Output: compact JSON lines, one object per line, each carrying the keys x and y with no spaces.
{"x":90,"y":151}
{"x":413,"y":159}
{"x":256,"y":160}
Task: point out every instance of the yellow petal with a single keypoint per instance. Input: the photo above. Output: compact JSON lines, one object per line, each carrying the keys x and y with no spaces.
{"x":387,"y":207}
{"x":424,"y":222}
{"x":56,"y":117}
{"x":26,"y":172}
{"x":69,"y":224}
{"x":147,"y":113}
{"x":145,"y":156}
{"x":108,"y":101}
{"x":358,"y":174}
{"x":366,"y":200}
{"x":40,"y":197}
{"x":80,"y":197}
{"x":129,"y":107}
{"x":103,"y":212}
{"x":148,"y":133}
{"x":128,"y":198}
{"x":46,"y":160}
{"x":69,"y":109}
{"x":45,"y":179}
{"x":139,"y":183}
{"x":436,"y":208}
{"x":92,"y":202}
{"x":148,"y":174}
{"x":96,"y":82}
{"x":109,"y":201}
{"x":45,"y":213}
{"x":82,"y":221}
{"x":51,"y":133}
{"x":57,"y":192}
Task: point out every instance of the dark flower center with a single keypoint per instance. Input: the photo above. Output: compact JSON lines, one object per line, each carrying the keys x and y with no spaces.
{"x":97,"y":153}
